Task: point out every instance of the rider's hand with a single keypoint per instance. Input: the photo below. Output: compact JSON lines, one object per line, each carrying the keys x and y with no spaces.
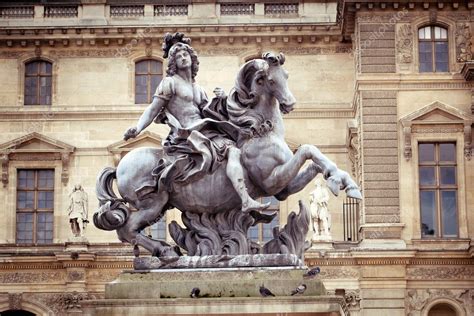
{"x":220,"y":93}
{"x":130,"y":133}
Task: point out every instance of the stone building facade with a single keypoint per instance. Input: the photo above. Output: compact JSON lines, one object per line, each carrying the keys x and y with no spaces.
{"x":383,"y":88}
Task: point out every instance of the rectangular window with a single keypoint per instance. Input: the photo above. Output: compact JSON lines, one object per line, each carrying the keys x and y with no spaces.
{"x":35,"y":206}
{"x":262,"y":233}
{"x":438,"y":190}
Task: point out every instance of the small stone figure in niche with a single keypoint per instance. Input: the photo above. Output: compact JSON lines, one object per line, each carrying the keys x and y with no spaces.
{"x":319,"y":199}
{"x":78,"y":210}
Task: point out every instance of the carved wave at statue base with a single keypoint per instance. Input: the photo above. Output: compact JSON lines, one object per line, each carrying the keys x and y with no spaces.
{"x":225,"y":234}
{"x":224,"y":261}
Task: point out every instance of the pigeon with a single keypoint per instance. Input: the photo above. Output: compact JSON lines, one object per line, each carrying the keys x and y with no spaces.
{"x":299,"y":289}
{"x":195,"y":292}
{"x":312,"y":273}
{"x":265,"y":292}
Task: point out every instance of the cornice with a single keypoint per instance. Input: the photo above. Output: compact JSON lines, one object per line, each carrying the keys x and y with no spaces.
{"x":126,"y":113}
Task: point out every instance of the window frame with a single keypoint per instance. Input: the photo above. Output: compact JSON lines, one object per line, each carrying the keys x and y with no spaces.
{"x":438,"y":187}
{"x":38,"y":75}
{"x":35,"y":210}
{"x":149,"y":74}
{"x":433,"y":41}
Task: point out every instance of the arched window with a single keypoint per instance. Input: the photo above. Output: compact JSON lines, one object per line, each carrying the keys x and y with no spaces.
{"x":38,"y":82}
{"x":148,"y":75}
{"x":442,"y":309}
{"x":433,"y":49}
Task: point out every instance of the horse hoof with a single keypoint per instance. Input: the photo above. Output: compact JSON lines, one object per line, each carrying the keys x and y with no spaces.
{"x":333,"y":185}
{"x":354,"y":193}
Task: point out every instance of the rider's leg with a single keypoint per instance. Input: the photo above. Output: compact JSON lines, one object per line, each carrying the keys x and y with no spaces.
{"x":235,"y":172}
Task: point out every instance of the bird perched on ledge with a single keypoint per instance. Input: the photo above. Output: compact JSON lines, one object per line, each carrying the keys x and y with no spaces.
{"x":265,"y":292}
{"x":299,"y":289}
{"x":312,"y":273}
{"x":195,"y":292}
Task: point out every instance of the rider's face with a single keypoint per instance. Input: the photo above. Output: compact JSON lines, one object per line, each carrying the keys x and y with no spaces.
{"x":183,"y":59}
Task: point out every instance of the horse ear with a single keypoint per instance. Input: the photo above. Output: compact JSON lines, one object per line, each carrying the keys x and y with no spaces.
{"x":282,"y":58}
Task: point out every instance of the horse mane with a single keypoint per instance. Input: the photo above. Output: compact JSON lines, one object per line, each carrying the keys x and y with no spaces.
{"x":242,"y":98}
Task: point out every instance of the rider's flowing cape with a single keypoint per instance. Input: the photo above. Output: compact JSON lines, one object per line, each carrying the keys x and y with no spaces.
{"x":197,"y":150}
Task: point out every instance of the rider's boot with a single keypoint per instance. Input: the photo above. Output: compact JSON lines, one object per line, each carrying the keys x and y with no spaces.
{"x":249,"y":204}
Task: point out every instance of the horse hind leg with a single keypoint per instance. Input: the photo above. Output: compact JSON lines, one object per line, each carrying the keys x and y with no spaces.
{"x":149,"y":211}
{"x":299,"y":182}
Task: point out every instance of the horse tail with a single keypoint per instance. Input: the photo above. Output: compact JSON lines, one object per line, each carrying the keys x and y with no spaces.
{"x":112,"y":212}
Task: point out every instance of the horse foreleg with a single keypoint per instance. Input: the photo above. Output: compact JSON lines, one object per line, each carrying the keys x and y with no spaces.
{"x":336,"y":178}
{"x":150,"y":211}
{"x":299,"y":182}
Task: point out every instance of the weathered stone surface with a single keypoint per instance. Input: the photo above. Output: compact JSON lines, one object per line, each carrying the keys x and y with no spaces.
{"x":383,"y":176}
{"x":373,"y":60}
{"x":379,"y":111}
{"x":186,"y":262}
{"x":378,"y":201}
{"x":380,"y":152}
{"x":380,"y":135}
{"x":242,"y":282}
{"x":380,"y":210}
{"x":386,"y":94}
{"x":381,"y":168}
{"x":380,"y":143}
{"x":379,"y":119}
{"x":379,"y":102}
{"x":378,"y":68}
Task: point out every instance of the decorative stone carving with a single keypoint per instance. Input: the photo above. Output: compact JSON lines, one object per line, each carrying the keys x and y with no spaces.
{"x":417,"y":299}
{"x":14,"y":301}
{"x":352,"y":298}
{"x":463,"y":42}
{"x":339,"y":273}
{"x":33,"y":277}
{"x":39,"y":148}
{"x":75,"y":275}
{"x":441,"y":273}
{"x":320,"y":216}
{"x":353,"y":145}
{"x":405,"y":44}
{"x":437,"y":118}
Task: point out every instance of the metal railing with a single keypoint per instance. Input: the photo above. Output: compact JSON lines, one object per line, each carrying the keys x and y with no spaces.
{"x":350,"y":219}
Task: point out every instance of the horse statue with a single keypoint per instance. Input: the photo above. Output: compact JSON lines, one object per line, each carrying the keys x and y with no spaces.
{"x":214,"y":223}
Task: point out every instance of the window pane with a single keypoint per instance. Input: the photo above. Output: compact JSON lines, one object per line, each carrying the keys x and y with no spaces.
{"x":437,"y":30}
{"x":426,"y":152}
{"x":426,"y":57}
{"x":427,"y":32}
{"x":447,"y":152}
{"x":155,"y":81}
{"x":156,"y":67}
{"x":25,"y":200}
{"x":158,"y":230}
{"x":31,"y":90}
{"x":448,"y":175}
{"x":26,"y":179}
{"x":441,"y":50}
{"x":253,"y":233}
{"x":427,"y":176}
{"x":31,"y":68}
{"x":268,"y":228}
{"x":141,"y":89}
{"x":44,"y":228}
{"x":45,"y":200}
{"x":428,"y":213}
{"x":421,"y":33}
{"x":45,"y":68}
{"x":24,"y":228}
{"x":46,"y":179}
{"x":449,"y":213}
{"x":444,"y":34}
{"x":141,"y":67}
{"x":45,"y":90}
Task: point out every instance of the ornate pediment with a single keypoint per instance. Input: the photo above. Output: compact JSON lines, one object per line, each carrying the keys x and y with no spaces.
{"x":437,"y":117}
{"x":35,"y":146}
{"x":145,"y":139}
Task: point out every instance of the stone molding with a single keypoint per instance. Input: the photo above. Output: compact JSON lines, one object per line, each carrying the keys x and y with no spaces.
{"x":121,"y":148}
{"x":53,"y":150}
{"x":419,"y":301}
{"x":454,"y":121}
{"x":440,"y":273}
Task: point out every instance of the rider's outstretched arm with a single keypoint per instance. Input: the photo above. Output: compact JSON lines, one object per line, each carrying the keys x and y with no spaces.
{"x":150,"y":113}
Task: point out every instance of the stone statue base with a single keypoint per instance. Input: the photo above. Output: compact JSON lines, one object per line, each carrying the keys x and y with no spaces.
{"x":222,"y":292}
{"x":186,"y":262}
{"x":322,"y":244}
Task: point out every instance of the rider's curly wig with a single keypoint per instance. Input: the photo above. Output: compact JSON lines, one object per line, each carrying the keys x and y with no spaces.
{"x":172,"y":67}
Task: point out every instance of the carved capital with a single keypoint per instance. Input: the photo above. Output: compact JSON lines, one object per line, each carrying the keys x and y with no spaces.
{"x":65,"y":157}
{"x":407,"y":152}
{"x":467,"y":141}
{"x":352,"y":298}
{"x":4,"y":159}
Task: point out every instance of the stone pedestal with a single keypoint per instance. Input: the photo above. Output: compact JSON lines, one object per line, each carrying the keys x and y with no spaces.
{"x":223,"y":291}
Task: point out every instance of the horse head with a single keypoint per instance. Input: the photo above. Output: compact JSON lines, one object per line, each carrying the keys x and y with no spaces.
{"x":276,"y":81}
